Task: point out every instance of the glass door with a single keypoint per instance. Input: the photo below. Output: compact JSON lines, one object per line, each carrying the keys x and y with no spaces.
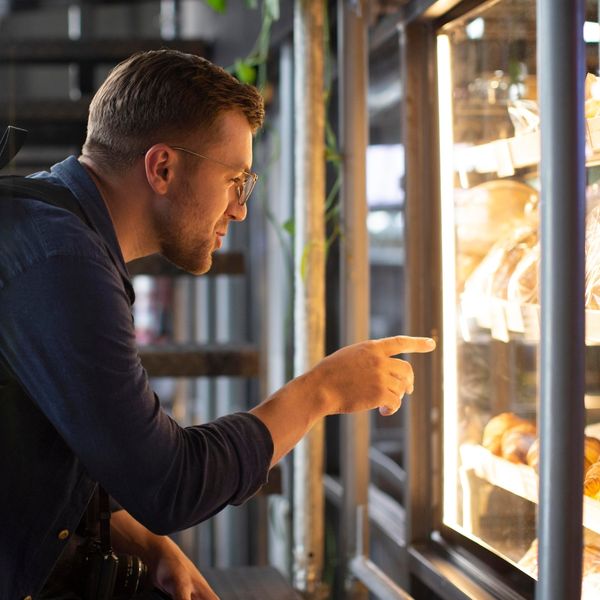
{"x":489,"y":153}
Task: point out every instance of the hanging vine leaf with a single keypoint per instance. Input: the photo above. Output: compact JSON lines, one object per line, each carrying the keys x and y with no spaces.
{"x":272,"y":9}
{"x":290,"y":227}
{"x":253,"y":4}
{"x":219,"y":6}
{"x":245,"y":72}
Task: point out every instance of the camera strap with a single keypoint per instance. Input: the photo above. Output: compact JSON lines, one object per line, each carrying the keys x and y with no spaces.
{"x":104,"y":518}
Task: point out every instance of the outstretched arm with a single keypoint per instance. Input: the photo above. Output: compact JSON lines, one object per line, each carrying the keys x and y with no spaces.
{"x":358,"y":377}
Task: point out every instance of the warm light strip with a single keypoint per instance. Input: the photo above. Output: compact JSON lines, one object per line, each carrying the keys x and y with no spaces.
{"x":450,"y":392}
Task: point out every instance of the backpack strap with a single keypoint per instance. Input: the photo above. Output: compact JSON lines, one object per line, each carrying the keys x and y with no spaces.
{"x":15,"y":187}
{"x":10,"y":143}
{"x":12,"y":186}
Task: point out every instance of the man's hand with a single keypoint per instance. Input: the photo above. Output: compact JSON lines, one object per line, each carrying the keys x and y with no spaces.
{"x":169,"y":568}
{"x":176,"y":575}
{"x":359,"y":377}
{"x":364,"y":376}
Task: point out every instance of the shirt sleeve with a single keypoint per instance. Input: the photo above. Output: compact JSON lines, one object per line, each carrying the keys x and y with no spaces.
{"x":67,"y":335}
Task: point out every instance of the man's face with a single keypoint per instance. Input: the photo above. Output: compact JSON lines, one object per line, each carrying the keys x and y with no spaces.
{"x":204,"y":199}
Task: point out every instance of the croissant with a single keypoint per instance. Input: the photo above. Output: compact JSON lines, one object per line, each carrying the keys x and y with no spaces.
{"x":515,"y":442}
{"x":591,"y":454}
{"x":591,"y":484}
{"x":592,"y":449}
{"x":493,"y":431}
{"x":533,"y":455}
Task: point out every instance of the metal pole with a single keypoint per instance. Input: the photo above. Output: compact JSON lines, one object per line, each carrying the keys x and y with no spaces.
{"x":309,"y":301}
{"x":561,"y":69}
{"x":354,"y":271}
{"x":378,"y":582}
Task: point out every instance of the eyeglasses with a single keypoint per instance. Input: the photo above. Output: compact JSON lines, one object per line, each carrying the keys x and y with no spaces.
{"x":243,"y":186}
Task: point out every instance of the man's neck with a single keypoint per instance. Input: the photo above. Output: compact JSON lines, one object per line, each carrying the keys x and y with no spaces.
{"x":126,"y":197}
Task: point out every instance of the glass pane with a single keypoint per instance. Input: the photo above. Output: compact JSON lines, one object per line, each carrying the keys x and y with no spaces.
{"x":489,"y":142}
{"x":490,"y":146}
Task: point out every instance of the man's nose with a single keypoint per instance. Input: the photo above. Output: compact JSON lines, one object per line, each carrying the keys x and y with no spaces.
{"x":235,"y":210}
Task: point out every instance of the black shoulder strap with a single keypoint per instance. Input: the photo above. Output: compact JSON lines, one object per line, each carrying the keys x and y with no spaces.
{"x":56,"y":195}
{"x":24,"y":187}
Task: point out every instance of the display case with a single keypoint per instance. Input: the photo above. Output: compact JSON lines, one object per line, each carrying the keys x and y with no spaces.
{"x":484,"y":416}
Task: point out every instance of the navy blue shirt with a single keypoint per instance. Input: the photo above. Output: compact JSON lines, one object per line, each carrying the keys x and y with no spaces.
{"x":75,"y":404}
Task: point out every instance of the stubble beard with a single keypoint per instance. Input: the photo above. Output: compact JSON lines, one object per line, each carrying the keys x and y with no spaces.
{"x":183,"y":249}
{"x":194,"y":258}
{"x":180,"y":245}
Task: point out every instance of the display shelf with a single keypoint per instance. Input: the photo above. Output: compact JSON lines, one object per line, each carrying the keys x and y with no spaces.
{"x":518,"y":479}
{"x":505,"y":156}
{"x":504,"y":319}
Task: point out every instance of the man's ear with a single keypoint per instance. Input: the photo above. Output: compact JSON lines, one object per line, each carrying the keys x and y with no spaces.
{"x":159,"y":161}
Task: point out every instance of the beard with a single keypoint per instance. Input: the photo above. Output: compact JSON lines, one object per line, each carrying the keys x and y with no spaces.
{"x":194,"y":258}
{"x":178,"y":242}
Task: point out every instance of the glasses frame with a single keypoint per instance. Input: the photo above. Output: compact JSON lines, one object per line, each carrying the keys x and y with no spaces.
{"x":243,"y":188}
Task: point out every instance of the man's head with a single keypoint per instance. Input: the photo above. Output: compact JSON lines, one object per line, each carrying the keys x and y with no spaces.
{"x":184,"y":126}
{"x":163,"y":95}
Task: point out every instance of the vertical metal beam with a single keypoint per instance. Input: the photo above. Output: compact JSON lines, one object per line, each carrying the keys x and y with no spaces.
{"x":561,"y":69}
{"x":422,"y":259}
{"x":276,"y":307}
{"x":309,"y":301}
{"x":354,"y":271}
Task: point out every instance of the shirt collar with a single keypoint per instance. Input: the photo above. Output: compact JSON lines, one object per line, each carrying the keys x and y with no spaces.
{"x":73,"y":175}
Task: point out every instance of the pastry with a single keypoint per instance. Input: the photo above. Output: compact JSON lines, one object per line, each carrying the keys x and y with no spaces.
{"x":533,"y":455}
{"x":495,"y":429}
{"x":591,"y":484}
{"x":515,"y":442}
{"x":591,"y":450}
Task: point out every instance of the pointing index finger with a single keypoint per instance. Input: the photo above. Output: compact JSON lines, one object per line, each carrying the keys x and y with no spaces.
{"x":403,"y":344}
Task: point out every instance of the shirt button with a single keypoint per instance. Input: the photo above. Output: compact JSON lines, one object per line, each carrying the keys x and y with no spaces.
{"x":62,"y":535}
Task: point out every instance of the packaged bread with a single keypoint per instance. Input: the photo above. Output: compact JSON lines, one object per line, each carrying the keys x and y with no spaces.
{"x":485,"y":214}
{"x":494,"y":430}
{"x":492,"y":275}
{"x":488,"y":212}
{"x":516,"y":442}
{"x":523,"y":285}
{"x":520,"y":245}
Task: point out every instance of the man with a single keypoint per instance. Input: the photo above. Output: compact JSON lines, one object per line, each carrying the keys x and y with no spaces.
{"x":165,"y":168}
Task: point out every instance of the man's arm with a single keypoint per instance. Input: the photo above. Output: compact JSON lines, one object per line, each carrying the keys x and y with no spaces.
{"x":359,"y":377}
{"x":169,"y":568}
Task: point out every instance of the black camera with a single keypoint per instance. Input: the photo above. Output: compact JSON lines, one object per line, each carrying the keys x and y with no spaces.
{"x":110,"y":576}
